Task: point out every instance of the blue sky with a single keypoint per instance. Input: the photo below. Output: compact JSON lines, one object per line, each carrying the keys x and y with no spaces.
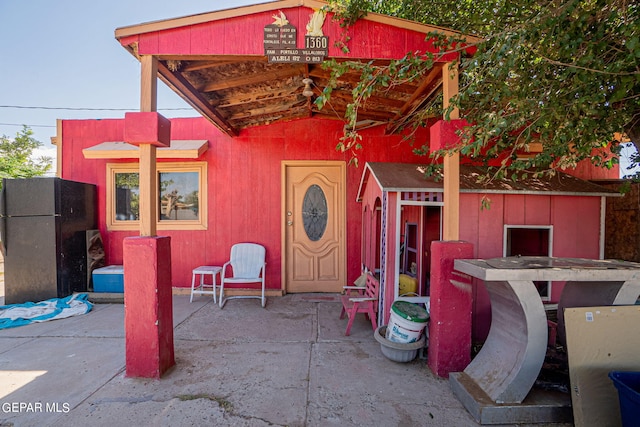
{"x":63,"y":53}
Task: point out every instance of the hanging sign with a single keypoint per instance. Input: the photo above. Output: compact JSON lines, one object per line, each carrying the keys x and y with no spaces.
{"x":280,"y":41}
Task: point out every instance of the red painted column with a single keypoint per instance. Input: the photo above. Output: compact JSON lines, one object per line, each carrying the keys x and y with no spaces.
{"x":450,"y":315}
{"x":148,"y":317}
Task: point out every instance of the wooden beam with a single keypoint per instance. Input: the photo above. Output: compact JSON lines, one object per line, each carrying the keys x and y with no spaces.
{"x":353,"y":78}
{"x":259,"y":96}
{"x":273,"y":109}
{"x":148,"y":83}
{"x":148,"y":190}
{"x":148,"y":173}
{"x":391,"y":103}
{"x":252,"y":79}
{"x":182,"y":87}
{"x":303,"y":113}
{"x":429,"y":85}
{"x":451,"y":180}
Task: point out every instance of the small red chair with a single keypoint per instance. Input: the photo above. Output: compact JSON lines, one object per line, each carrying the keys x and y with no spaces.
{"x":366,"y":303}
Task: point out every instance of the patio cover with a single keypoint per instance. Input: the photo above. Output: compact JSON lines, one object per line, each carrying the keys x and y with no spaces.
{"x":217,"y":62}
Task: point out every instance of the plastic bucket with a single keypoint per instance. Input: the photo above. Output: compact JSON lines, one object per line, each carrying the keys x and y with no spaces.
{"x":407,"y":284}
{"x":406,"y":323}
{"x":628,"y":385}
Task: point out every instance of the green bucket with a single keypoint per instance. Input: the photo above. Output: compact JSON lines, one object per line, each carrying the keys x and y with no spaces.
{"x":406,"y":323}
{"x":409,"y":311}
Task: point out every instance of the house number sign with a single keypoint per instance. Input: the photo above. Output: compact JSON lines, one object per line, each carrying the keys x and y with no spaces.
{"x":280,"y":41}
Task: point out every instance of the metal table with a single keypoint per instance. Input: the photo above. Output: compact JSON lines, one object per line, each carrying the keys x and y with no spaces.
{"x":510,"y":360}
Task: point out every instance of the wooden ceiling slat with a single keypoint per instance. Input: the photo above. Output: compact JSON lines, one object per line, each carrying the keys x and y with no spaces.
{"x":270,"y":119}
{"x":431,"y":82}
{"x":261,"y":96}
{"x":252,"y":79}
{"x":182,"y":87}
{"x":378,"y":115}
{"x":266,"y":110}
{"x":250,"y":95}
{"x":391,"y":103}
{"x":352,"y":79}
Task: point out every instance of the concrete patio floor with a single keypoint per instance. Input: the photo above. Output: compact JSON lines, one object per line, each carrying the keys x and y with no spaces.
{"x":288,"y":364}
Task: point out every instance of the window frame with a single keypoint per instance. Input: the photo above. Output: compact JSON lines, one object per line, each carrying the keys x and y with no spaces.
{"x":506,"y":248}
{"x":163,"y":167}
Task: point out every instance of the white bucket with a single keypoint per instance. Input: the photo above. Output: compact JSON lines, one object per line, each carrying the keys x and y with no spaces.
{"x":406,"y":323}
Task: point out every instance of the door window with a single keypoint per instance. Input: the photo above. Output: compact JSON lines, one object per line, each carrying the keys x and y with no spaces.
{"x":314,"y":212}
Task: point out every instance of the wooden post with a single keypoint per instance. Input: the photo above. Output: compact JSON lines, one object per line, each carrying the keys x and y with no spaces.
{"x":451,"y":181}
{"x":148,"y":313}
{"x":147,"y":173}
{"x":148,"y":190}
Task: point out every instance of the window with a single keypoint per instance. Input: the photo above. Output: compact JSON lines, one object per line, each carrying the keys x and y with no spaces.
{"x":530,"y":241}
{"x":410,"y":245}
{"x":314,"y":213}
{"x":182,"y":198}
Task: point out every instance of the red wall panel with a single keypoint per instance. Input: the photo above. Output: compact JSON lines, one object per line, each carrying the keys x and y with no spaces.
{"x":244,"y":185}
{"x":244,"y":197}
{"x":572,"y":237}
{"x":576,"y":231}
{"x":175,"y":41}
{"x":244,"y":36}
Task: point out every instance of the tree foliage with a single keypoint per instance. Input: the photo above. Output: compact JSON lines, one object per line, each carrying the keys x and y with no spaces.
{"x":562,"y":73}
{"x":16,"y":156}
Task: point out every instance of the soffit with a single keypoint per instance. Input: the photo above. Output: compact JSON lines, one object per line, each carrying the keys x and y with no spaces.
{"x":236,"y":91}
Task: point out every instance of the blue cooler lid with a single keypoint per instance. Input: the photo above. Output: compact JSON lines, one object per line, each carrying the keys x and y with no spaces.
{"x":110,"y":269}
{"x":409,"y":311}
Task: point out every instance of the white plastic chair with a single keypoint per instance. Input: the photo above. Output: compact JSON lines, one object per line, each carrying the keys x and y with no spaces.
{"x":248,"y":264}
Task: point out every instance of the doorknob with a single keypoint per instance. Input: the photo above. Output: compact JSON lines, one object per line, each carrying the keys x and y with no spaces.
{"x":289,"y":222}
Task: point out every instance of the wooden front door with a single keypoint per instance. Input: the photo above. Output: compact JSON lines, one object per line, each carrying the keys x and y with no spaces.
{"x":314,"y":256}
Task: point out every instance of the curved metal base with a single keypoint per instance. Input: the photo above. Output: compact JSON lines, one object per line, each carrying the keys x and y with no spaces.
{"x":508,"y":364}
{"x":511,"y":358}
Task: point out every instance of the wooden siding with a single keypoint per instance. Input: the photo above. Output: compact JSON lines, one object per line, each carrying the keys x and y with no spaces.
{"x":243,"y":183}
{"x":576,"y":233}
{"x":575,"y":221}
{"x":243,"y":35}
{"x":372,"y":194}
{"x":245,"y":202}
